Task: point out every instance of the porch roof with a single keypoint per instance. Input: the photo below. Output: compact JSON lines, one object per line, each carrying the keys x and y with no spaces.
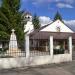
{"x":46,"y":35}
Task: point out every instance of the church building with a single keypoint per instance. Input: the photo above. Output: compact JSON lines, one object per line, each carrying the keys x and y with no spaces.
{"x":55,"y":39}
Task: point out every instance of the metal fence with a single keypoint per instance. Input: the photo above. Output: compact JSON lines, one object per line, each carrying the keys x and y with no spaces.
{"x":39,"y":47}
{"x":12,"y":50}
{"x":8,"y":50}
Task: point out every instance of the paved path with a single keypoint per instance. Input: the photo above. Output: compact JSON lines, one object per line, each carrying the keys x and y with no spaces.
{"x":52,"y":69}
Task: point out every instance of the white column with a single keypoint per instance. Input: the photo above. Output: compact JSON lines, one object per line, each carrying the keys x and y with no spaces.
{"x":27,"y":45}
{"x":70,"y":44}
{"x":51,"y":46}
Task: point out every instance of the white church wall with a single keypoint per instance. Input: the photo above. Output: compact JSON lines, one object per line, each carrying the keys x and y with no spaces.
{"x":53,"y":27}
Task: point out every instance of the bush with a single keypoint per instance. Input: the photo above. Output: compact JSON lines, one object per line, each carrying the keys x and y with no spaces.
{"x":58,"y":51}
{"x":2,"y":50}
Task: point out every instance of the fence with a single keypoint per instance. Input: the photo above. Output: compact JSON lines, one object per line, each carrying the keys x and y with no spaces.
{"x":10,"y":50}
{"x":14,"y":49}
{"x":39,"y":47}
{"x":39,"y":54}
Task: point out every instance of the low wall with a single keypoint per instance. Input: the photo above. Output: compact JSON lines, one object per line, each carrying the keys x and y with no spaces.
{"x":31,"y":61}
{"x":40,"y":60}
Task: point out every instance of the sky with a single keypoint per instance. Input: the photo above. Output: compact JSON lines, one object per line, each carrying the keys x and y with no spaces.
{"x":49,"y":8}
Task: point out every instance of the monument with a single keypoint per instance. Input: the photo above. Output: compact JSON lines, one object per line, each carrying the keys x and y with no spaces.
{"x":13,"y":47}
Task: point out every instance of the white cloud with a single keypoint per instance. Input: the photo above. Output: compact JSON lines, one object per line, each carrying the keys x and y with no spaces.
{"x":39,"y":2}
{"x":34,"y":3}
{"x":66,"y":1}
{"x":64,"y":5}
{"x":43,"y":1}
{"x":44,"y":20}
{"x":69,"y":1}
{"x":70,"y":23}
{"x":60,"y":3}
{"x":24,"y":0}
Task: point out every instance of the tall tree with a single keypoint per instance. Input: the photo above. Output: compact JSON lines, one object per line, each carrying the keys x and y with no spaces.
{"x":57,"y":16}
{"x":10,"y":17}
{"x":36,"y":22}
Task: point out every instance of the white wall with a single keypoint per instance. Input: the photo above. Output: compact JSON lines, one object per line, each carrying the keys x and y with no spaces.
{"x":52,"y":27}
{"x":32,"y":61}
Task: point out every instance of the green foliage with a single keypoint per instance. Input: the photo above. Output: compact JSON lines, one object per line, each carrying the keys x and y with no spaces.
{"x":57,"y":16}
{"x":36,"y":22}
{"x":3,"y":50}
{"x":58,"y":51}
{"x":3,"y":35}
{"x":10,"y":18}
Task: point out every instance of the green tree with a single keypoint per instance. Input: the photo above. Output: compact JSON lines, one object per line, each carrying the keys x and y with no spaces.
{"x":57,"y":16}
{"x":36,"y":22}
{"x":10,"y":17}
{"x":3,"y":27}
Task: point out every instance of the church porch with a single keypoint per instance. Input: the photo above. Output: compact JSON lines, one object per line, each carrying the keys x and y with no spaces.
{"x":45,"y":43}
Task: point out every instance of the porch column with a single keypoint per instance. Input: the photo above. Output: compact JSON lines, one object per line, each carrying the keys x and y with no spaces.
{"x":51,"y":46}
{"x":27,"y":45}
{"x":70,"y":44}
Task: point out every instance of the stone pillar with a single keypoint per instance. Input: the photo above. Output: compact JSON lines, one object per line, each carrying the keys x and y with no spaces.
{"x":27,"y":45}
{"x":70,"y":45}
{"x":51,"y":46}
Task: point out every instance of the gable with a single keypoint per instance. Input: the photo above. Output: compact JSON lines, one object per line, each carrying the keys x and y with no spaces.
{"x":57,"y":26}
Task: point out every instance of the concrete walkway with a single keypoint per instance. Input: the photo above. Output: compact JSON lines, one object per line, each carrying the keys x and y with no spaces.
{"x":52,"y":69}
